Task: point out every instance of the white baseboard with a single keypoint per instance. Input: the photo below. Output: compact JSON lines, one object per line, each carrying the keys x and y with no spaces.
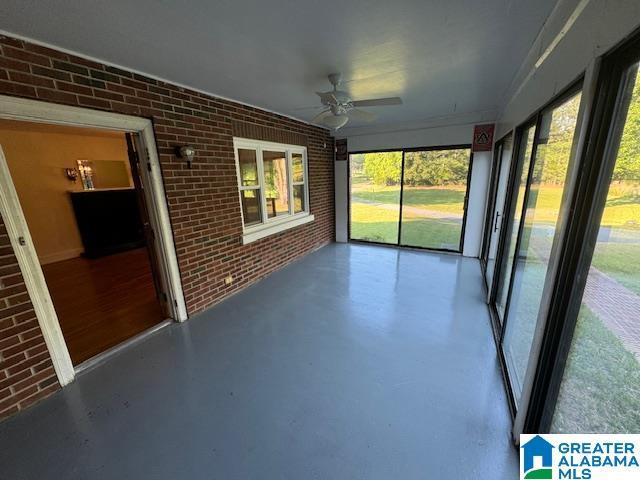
{"x":60,"y":256}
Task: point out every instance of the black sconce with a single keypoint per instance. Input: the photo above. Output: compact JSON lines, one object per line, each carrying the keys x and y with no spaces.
{"x":71,"y":173}
{"x":186,"y":152}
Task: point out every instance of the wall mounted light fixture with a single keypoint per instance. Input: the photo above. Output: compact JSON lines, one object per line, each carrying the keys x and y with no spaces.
{"x":71,"y":173}
{"x":186,"y":152}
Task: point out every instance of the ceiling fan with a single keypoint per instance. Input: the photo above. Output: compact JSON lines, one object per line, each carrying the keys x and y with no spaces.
{"x":339,"y":108}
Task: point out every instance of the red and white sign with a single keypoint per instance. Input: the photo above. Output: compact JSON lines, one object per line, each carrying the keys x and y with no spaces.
{"x":483,"y":138}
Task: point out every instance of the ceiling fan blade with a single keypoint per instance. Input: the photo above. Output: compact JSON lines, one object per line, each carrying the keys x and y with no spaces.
{"x":315,"y":107}
{"x":319,"y":117}
{"x":361,"y":115}
{"x":327,"y":98}
{"x":377,"y":102}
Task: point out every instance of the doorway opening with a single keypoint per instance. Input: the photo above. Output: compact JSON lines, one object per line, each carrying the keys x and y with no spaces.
{"x":82,"y":196}
{"x":411,"y":198}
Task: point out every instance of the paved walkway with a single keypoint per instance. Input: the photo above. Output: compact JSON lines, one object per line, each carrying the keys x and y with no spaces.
{"x":617,"y":307}
{"x":614,"y":304}
{"x":423,"y":212}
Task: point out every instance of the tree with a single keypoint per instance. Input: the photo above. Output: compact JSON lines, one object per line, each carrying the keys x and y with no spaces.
{"x":556,"y":138}
{"x":628,"y":161}
{"x":384,"y":168}
{"x":436,"y":167}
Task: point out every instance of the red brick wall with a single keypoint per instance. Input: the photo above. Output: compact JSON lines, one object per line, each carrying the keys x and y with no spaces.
{"x":203,"y":201}
{"x":26,"y":372}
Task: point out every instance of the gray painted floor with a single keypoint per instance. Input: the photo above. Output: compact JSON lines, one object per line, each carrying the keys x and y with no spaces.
{"x":356,"y":362}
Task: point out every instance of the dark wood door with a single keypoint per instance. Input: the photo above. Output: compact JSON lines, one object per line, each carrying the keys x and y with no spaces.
{"x":149,"y":233}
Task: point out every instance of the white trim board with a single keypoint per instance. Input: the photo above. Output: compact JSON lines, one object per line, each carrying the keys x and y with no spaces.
{"x":268,"y":230}
{"x":36,"y":111}
{"x":25,"y":253}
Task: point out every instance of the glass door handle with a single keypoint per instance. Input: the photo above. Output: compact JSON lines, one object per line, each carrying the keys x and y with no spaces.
{"x":495,"y":222}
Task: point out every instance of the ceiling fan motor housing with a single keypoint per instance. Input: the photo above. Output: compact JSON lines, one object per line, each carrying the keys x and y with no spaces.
{"x":336,"y":97}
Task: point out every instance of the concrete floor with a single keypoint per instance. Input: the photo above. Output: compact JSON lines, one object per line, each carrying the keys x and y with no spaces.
{"x":356,"y":362}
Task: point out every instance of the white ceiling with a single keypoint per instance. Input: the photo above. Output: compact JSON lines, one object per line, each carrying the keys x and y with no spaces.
{"x":443,"y":57}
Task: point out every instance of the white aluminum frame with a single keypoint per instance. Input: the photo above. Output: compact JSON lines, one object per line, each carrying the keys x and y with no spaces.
{"x":270,"y":226}
{"x":12,"y":108}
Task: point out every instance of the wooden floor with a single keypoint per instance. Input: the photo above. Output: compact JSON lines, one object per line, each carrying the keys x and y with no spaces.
{"x":102,"y":302}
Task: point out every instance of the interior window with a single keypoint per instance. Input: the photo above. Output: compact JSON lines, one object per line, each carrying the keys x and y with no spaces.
{"x":272,"y":180}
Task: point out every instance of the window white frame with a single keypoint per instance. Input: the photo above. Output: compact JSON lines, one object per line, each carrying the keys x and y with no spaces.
{"x":270,"y":226}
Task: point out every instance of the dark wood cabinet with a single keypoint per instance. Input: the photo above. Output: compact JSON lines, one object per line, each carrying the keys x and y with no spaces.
{"x":109,"y":221}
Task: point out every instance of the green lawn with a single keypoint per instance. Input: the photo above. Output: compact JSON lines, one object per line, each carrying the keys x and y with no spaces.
{"x":600,"y":392}
{"x":524,"y":306}
{"x":448,"y":199}
{"x":431,"y":233}
{"x":601,"y":387}
{"x":373,"y":223}
{"x":622,"y":208}
{"x":620,"y":261}
{"x":601,"y":384}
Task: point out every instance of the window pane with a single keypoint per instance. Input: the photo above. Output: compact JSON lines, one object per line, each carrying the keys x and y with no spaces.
{"x":248,"y":167}
{"x":524,"y":160}
{"x":275,"y":183}
{"x":298,"y":167}
{"x":541,"y":217}
{"x":435,"y":185}
{"x":375,"y":196}
{"x":298,"y":198}
{"x":600,"y":390}
{"x":251,"y":206}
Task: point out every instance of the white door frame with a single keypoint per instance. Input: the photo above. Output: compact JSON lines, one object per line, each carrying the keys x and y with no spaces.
{"x":13,"y":108}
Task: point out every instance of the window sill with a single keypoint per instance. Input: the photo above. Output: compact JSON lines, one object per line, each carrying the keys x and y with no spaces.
{"x":261,"y":231}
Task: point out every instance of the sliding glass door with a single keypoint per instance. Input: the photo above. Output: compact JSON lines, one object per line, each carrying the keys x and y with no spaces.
{"x":375,"y":196}
{"x":543,"y":200}
{"x":414,"y":198}
{"x":567,"y":282}
{"x":600,"y":389}
{"x":512,"y":227}
{"x":495,"y":213}
{"x":434,"y":198}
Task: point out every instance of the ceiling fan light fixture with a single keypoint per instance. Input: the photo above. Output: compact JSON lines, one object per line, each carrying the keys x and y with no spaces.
{"x":339,"y":107}
{"x":335,"y":121}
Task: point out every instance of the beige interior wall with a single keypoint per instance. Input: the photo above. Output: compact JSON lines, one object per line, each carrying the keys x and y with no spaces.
{"x":37,"y":156}
{"x":111,"y":174}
